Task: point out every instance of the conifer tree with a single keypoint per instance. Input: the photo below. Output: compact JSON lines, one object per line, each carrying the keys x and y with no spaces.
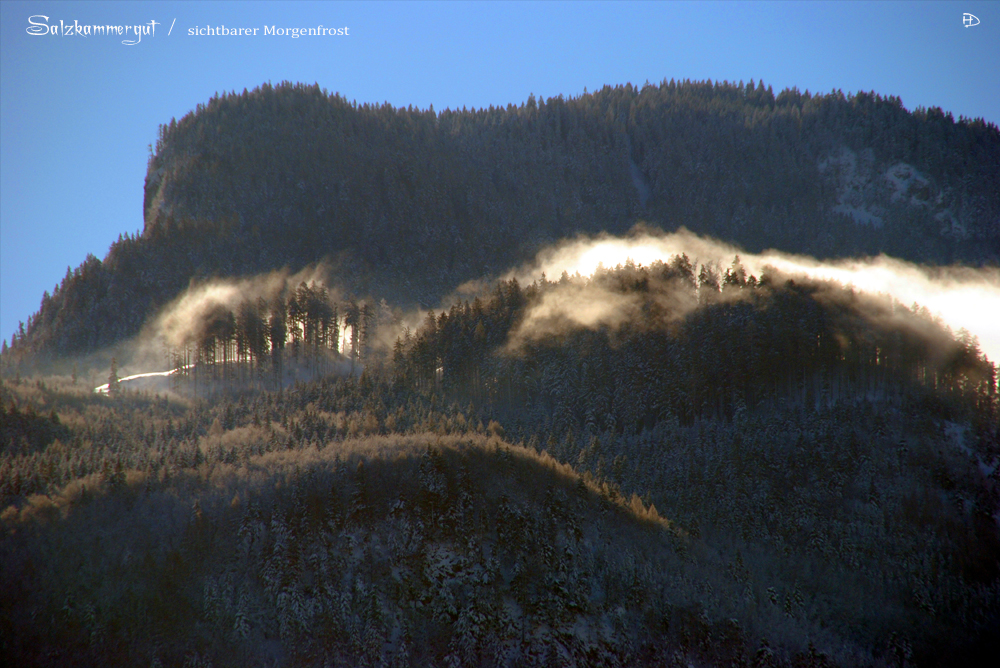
{"x":113,"y":384}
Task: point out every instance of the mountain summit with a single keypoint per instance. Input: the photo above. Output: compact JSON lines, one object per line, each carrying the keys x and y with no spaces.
{"x":289,"y":175}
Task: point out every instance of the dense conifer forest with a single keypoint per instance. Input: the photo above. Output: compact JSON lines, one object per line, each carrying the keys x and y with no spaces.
{"x":671,"y":464}
{"x":288,"y":175}
{"x":755,"y":471}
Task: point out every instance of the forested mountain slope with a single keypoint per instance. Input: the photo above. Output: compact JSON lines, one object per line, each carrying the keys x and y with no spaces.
{"x":718,"y":470}
{"x":288,"y":175}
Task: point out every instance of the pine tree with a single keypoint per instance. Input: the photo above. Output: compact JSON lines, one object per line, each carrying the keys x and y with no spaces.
{"x":113,"y":384}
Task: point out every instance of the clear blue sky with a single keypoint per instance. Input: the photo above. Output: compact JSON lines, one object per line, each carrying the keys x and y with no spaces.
{"x":77,"y":113}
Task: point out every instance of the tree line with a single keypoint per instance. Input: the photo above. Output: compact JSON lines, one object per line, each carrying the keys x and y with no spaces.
{"x":378,"y":190}
{"x":251,"y":344}
{"x":702,"y":346}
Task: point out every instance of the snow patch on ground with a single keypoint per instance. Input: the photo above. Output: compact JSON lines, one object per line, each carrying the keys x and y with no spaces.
{"x":908,"y":184}
{"x":860,"y":216}
{"x":857,"y":189}
{"x":639,"y":181}
{"x":958,"y":434}
{"x":950,"y":225}
{"x":866,"y":193}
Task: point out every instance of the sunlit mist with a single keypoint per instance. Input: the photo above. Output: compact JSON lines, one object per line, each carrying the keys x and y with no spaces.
{"x":962,"y":297}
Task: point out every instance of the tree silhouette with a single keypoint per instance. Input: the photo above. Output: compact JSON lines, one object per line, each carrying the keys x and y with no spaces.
{"x":113,"y":385}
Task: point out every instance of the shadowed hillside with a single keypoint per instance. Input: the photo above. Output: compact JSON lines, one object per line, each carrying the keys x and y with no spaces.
{"x":730,"y":471}
{"x":401,"y":550}
{"x":285,"y":176}
{"x":684,"y":461}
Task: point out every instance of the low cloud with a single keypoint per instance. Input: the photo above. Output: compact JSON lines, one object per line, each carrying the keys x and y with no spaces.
{"x":573,"y":305}
{"x":962,"y":297}
{"x":181,"y":322}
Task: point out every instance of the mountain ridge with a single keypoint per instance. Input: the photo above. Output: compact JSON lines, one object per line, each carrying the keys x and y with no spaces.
{"x":288,"y":175}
